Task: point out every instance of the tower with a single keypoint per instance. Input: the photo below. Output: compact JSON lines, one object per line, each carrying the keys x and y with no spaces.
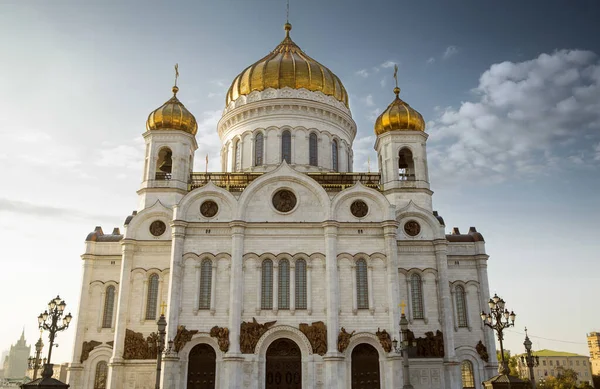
{"x":170,"y":146}
{"x":401,"y":153}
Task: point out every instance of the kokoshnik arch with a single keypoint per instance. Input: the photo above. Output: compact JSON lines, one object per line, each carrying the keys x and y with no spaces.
{"x":287,"y":269}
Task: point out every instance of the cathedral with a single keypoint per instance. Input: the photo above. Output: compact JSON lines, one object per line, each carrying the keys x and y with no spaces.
{"x":287,"y":269}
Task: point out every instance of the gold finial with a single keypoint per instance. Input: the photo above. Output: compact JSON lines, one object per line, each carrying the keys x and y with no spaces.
{"x":162,"y":308}
{"x":396,"y":89}
{"x":402,"y":305}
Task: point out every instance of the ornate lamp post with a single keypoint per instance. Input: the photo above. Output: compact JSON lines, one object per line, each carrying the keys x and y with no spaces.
{"x":498,"y":319}
{"x":35,"y":362}
{"x":162,"y":325}
{"x":530,"y":360}
{"x":49,"y":321}
{"x":403,"y":349}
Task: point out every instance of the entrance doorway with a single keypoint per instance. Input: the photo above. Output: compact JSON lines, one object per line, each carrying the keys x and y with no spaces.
{"x":284,"y":365}
{"x":201,"y":367}
{"x":365,"y":367}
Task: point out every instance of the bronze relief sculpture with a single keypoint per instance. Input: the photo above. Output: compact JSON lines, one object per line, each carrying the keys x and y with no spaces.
{"x":482,"y":351}
{"x":384,"y":339}
{"x":317,"y":336}
{"x":182,"y":337}
{"x":222,"y":335}
{"x":157,"y":228}
{"x":136,"y":347}
{"x":86,"y":348}
{"x":344,"y":339}
{"x":250,"y":333}
{"x":284,"y":200}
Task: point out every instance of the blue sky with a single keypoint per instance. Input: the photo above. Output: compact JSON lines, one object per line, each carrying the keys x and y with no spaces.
{"x":510,"y":90}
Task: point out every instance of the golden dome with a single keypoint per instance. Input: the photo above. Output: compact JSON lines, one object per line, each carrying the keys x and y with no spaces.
{"x":172,"y":115}
{"x":287,"y":66}
{"x":399,"y":116}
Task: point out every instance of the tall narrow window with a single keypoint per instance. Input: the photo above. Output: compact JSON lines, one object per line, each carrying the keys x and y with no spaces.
{"x":461,"y":306}
{"x":237,"y":166}
{"x":406,"y":165}
{"x":362,"y":288}
{"x":334,"y":155}
{"x":466,"y":369}
{"x":259,"y":143}
{"x":101,"y":375}
{"x":205,"y":284}
{"x":416,"y":290}
{"x":284,"y":285}
{"x":109,"y":307}
{"x":266,"y":298}
{"x":313,"y":150}
{"x":164,"y":164}
{"x":152,"y":298}
{"x":286,"y":146}
{"x":301,"y":284}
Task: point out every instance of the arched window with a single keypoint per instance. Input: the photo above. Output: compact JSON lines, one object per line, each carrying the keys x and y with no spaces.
{"x":266,"y":298}
{"x":362,"y":288}
{"x":205,"y":284}
{"x":301,"y":284}
{"x":101,"y":375}
{"x":406,"y":165}
{"x":286,"y":146}
{"x":284,"y":285}
{"x":109,"y":307}
{"x":416,"y":290}
{"x":466,"y":369}
{"x":334,"y":155}
{"x":164,"y":164}
{"x":237,"y":164}
{"x":461,"y":306}
{"x":259,"y":142}
{"x":152,"y":298}
{"x":313,"y":150}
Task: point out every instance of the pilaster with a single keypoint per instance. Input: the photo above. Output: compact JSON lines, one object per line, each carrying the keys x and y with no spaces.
{"x":390,"y":228}
{"x":175,"y":278}
{"x":491,"y":368}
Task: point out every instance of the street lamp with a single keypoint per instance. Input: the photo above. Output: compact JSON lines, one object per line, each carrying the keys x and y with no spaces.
{"x":162,"y":325}
{"x":498,"y":319}
{"x":530,"y":360}
{"x":35,"y":362}
{"x":49,"y":320}
{"x":404,"y":346}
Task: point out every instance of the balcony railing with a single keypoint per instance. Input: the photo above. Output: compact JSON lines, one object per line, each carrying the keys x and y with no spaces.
{"x":162,"y":176}
{"x":331,"y":182}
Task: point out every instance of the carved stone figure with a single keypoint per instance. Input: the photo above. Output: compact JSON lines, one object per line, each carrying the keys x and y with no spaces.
{"x":209,"y":208}
{"x":157,"y":228}
{"x":222,"y":335}
{"x":317,"y":336}
{"x":412,"y":228}
{"x":384,"y":339}
{"x":87,"y":347}
{"x":344,"y":339}
{"x":182,"y":337}
{"x":136,"y":347}
{"x":431,"y":346}
{"x":482,"y":351}
{"x":284,"y":200}
{"x":250,"y":333}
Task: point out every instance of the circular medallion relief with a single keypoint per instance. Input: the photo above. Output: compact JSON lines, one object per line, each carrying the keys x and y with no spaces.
{"x":209,"y":208}
{"x":157,"y":228}
{"x":412,"y":228}
{"x":359,"y":208}
{"x":284,"y":200}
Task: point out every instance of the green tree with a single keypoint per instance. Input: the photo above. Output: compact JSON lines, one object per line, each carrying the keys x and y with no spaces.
{"x":512,"y":362}
{"x":565,"y":379}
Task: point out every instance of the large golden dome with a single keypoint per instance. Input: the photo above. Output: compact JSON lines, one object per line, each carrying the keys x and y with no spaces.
{"x":399,"y":116}
{"x":287,"y":66}
{"x":172,"y":115}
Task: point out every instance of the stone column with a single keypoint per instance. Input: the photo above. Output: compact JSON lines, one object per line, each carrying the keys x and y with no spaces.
{"x":292,"y":287}
{"x":116,"y":366}
{"x":75,"y":369}
{"x":333,"y":360}
{"x":309,"y":288}
{"x":275,"y":286}
{"x":452,"y":374}
{"x":233,"y":360}
{"x":491,"y":368}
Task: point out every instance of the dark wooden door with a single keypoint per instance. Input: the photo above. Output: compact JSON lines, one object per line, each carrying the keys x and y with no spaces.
{"x":284,"y":365}
{"x":365,"y":367}
{"x":201,"y":367}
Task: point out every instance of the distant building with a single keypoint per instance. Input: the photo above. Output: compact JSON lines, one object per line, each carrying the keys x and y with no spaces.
{"x":15,"y":363}
{"x":593,"y":339}
{"x":553,"y":362}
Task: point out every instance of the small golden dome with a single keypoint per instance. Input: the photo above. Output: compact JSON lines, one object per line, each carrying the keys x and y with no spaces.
{"x":287,"y":66}
{"x":172,"y":115}
{"x":399,"y":116}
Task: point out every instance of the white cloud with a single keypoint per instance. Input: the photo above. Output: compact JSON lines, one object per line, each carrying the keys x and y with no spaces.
{"x":368,"y":100}
{"x":529,"y":118}
{"x":430,"y":61}
{"x":450,"y":51}
{"x":373,"y":114}
{"x":383,"y":82}
{"x":388,"y":64}
{"x":363,"y":73}
{"x":208,"y":142}
{"x":129,"y":156}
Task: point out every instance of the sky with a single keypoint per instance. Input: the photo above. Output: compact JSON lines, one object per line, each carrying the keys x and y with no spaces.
{"x":510,"y":92}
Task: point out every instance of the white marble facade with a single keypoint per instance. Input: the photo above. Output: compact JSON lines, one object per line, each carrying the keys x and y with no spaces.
{"x":445,"y":276}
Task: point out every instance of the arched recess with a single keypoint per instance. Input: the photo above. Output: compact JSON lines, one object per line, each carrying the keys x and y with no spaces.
{"x":184,"y":355}
{"x":164,"y":164}
{"x":100,"y":353}
{"x":341,"y":202}
{"x":467,"y":353}
{"x":139,"y":226}
{"x":406,"y":164}
{"x":202,"y":367}
{"x":371,"y":340}
{"x":430,"y":227}
{"x":293,"y":334}
{"x":188,"y":208}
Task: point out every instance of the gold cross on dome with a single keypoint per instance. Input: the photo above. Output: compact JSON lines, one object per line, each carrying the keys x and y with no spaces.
{"x":176,"y":73}
{"x":162,"y":308}
{"x":402,"y":305}
{"x":396,"y":74}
